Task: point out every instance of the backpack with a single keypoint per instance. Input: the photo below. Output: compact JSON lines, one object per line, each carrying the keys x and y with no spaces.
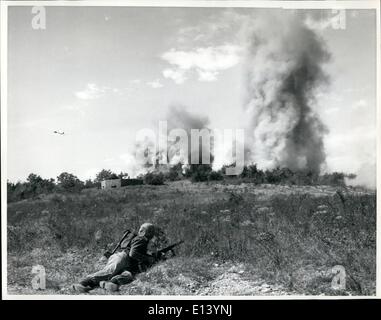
{"x":126,"y":243}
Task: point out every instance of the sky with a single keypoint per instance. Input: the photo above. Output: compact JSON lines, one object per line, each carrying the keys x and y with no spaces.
{"x":100,"y":74}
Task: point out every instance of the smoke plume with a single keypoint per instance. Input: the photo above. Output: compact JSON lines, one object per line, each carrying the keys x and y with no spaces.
{"x":366,"y":177}
{"x":173,"y":145}
{"x":284,"y":63}
{"x":178,"y":117}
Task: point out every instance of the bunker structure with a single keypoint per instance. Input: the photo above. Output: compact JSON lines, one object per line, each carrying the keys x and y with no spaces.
{"x":117,"y":183}
{"x":112,"y":183}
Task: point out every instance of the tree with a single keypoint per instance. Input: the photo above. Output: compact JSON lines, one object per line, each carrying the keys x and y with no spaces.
{"x":48,"y":185}
{"x":175,"y":172}
{"x":253,"y":173}
{"x":333,"y":179}
{"x":215,"y":176}
{"x":69,"y":182}
{"x":18,"y":191}
{"x":32,"y":187}
{"x":37,"y":185}
{"x":198,"y":172}
{"x":278,"y":175}
{"x":90,"y":184}
{"x":154,"y":178}
{"x":301,"y":177}
{"x":123,"y":175}
{"x":34,"y":179}
{"x":11,"y":194}
{"x":105,"y":175}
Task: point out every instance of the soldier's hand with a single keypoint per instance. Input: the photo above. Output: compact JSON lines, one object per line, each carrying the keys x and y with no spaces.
{"x":151,"y":260}
{"x":158,"y":256}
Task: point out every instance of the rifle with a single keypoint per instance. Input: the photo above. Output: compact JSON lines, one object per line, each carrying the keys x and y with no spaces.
{"x":107,"y":254}
{"x":163,"y":251}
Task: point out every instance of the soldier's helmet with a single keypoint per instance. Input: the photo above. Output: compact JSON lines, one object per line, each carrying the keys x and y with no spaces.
{"x":147,"y":230}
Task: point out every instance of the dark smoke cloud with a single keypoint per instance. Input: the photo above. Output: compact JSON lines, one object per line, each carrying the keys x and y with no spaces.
{"x":178,"y":117}
{"x":284,"y":61}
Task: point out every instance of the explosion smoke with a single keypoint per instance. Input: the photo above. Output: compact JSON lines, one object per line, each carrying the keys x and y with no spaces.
{"x":179,"y":149}
{"x":179,"y":117}
{"x":284,"y":64}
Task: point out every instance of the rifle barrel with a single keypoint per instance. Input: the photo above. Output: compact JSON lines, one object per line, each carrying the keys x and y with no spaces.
{"x":164,"y":250}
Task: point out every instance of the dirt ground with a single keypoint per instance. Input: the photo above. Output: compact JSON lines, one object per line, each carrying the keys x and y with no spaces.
{"x":176,"y":276}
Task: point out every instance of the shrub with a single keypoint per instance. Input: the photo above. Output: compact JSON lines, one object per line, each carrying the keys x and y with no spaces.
{"x":91,"y":184}
{"x":153,"y":178}
{"x":34,"y":186}
{"x":198,"y":172}
{"x":215,"y":176}
{"x":131,"y":182}
{"x":333,"y":179}
{"x":175,"y":172}
{"x":253,"y":173}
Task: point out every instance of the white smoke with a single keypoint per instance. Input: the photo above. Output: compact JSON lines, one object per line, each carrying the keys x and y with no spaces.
{"x":365,"y":177}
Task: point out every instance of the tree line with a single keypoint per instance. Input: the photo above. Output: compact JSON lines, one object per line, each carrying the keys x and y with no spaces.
{"x":66,"y":182}
{"x":252,"y":174}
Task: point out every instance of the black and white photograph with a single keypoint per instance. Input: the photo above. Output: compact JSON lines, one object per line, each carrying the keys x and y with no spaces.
{"x":189,"y":149}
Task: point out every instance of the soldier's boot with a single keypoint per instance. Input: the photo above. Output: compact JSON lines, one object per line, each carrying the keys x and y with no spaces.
{"x":109,"y":286}
{"x":80,"y":288}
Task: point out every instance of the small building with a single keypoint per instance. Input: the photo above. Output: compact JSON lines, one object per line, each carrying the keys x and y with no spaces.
{"x":111,"y":184}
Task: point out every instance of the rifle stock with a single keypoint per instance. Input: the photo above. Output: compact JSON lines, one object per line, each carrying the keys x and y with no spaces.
{"x":107,"y":254}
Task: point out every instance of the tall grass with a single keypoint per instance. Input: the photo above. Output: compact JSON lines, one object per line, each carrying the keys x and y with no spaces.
{"x":277,"y":235}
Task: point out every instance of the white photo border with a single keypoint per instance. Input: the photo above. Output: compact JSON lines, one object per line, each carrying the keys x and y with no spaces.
{"x":358,"y":4}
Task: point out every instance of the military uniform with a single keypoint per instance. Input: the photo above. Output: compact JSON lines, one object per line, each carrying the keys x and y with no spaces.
{"x":121,"y":267}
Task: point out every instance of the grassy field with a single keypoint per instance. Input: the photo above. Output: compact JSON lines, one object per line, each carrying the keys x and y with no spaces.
{"x":240,"y":238}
